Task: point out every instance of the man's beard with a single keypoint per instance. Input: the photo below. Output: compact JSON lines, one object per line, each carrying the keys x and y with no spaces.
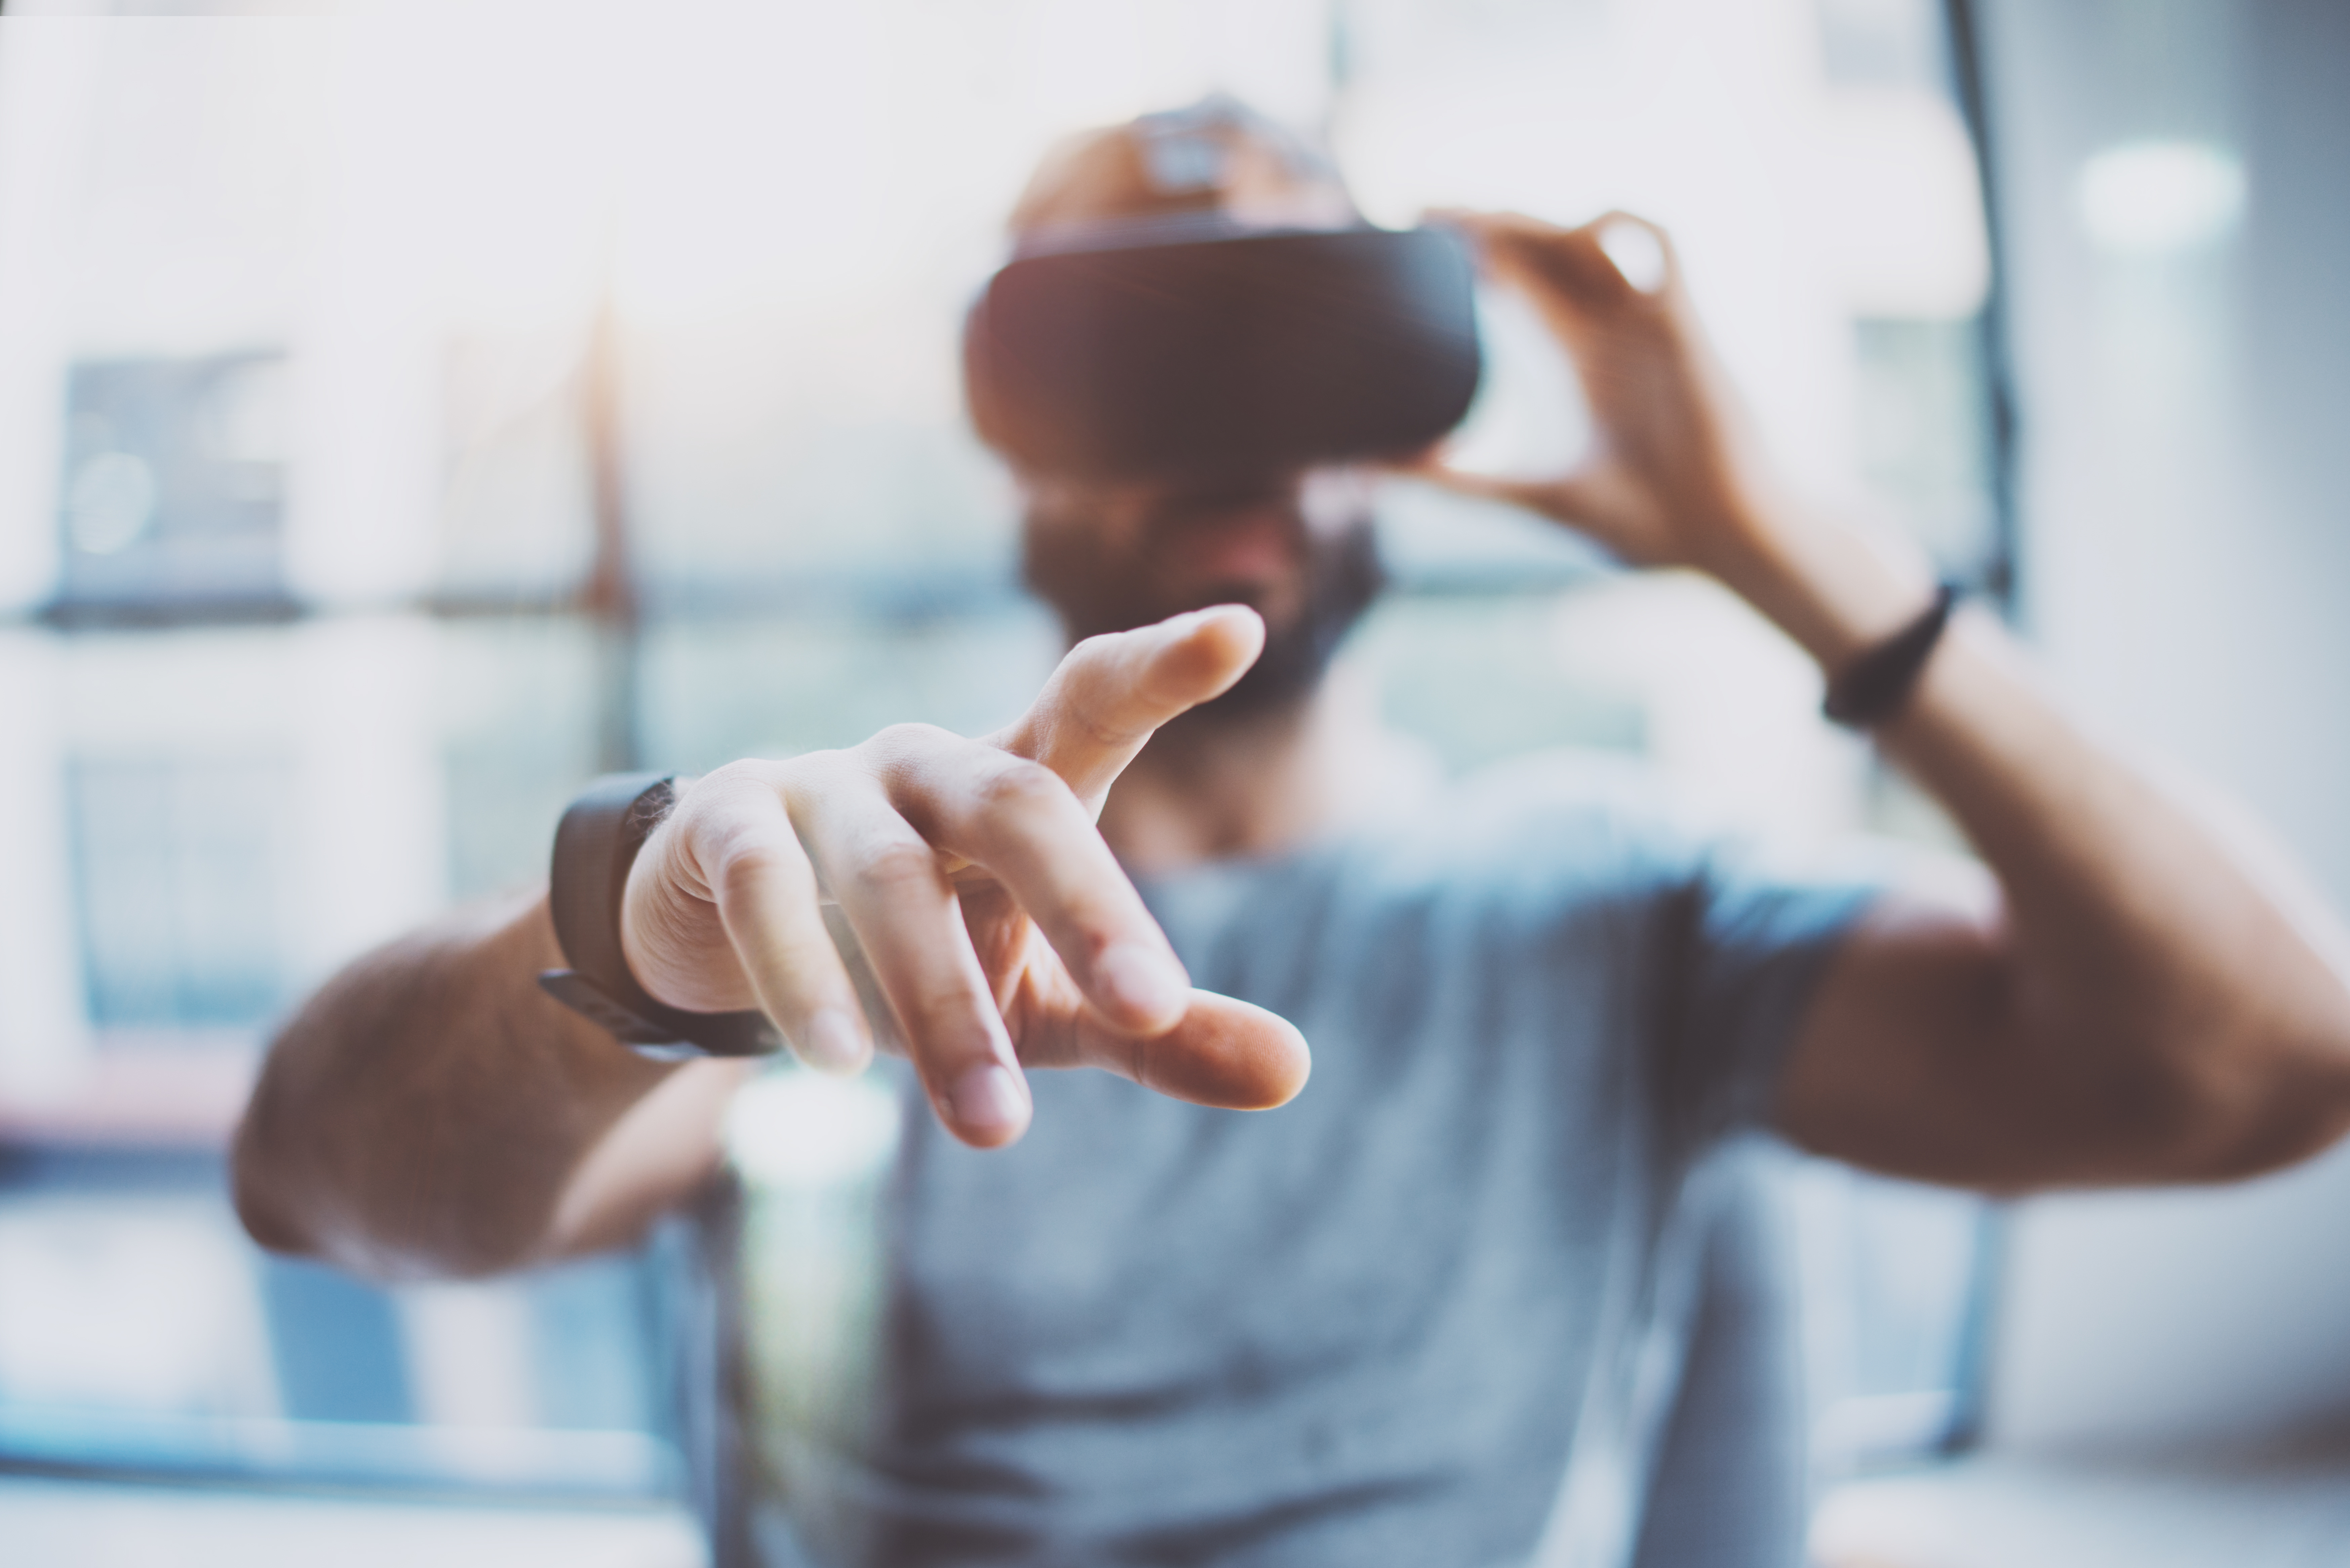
{"x":1342,"y":576}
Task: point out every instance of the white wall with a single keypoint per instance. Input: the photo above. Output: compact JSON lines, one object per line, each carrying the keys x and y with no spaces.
{"x":46,"y":68}
{"x":2186,"y":556}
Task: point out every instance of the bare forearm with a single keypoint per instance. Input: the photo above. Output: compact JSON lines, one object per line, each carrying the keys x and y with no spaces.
{"x":2145,"y":1010}
{"x":423,"y":1113}
{"x":2210,"y":1038}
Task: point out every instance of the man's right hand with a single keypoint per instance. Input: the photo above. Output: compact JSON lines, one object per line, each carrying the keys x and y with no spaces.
{"x":997,"y":924}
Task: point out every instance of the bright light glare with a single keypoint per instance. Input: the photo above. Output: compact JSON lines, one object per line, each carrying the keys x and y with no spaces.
{"x":2149,"y":198}
{"x":805,"y":1129}
{"x":1529,"y":420}
{"x":1634,"y":249}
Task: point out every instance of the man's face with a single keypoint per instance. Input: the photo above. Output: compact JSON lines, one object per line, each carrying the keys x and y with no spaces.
{"x":1297,"y":548}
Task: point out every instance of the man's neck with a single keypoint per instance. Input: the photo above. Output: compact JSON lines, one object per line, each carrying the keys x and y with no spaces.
{"x":1211,"y":787}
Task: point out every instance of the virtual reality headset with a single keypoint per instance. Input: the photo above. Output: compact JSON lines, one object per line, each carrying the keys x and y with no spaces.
{"x":1182,"y":350}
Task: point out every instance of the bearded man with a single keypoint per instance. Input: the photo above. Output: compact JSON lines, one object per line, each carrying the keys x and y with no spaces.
{"x":1436,"y":1307}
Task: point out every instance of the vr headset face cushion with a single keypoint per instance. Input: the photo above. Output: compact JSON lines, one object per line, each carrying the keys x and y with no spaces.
{"x":1256,"y":353}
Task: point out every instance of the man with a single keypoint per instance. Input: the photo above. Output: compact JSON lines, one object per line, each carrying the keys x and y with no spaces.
{"x":1431,"y":1311}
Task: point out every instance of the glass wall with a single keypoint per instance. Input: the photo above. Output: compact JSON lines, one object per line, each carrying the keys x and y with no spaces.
{"x":411,"y":410}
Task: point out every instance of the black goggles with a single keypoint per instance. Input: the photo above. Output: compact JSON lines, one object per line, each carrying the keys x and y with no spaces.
{"x":1124,"y":354}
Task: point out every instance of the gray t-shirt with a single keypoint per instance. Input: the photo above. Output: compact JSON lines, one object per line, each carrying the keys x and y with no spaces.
{"x":1435,"y":1310}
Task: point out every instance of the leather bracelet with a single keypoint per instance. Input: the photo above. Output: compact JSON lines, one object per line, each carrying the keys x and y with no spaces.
{"x":1873,"y":688}
{"x":595,"y":845}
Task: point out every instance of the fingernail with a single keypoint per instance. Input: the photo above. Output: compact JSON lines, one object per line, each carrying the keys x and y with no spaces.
{"x":987,"y":1100}
{"x":1144,"y":982}
{"x":833,"y":1041}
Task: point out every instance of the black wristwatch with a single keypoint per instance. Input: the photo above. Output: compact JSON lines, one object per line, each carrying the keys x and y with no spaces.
{"x":594,"y":845}
{"x":1873,"y":687}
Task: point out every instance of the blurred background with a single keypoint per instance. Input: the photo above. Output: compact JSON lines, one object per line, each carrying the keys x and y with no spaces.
{"x":408,"y":412}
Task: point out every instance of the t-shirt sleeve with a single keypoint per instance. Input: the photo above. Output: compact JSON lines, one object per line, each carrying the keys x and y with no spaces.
{"x":1743,"y":950}
{"x":1707,"y":950}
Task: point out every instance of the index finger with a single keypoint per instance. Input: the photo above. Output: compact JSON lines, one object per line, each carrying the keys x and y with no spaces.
{"x":1616,"y":257}
{"x":1112,"y":691}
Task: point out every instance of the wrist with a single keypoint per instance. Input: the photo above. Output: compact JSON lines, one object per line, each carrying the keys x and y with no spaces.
{"x":596,"y":846}
{"x":1835,"y":591}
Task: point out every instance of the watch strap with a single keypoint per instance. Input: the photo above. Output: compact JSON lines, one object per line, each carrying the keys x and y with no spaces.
{"x":1873,"y":687}
{"x":595,"y":845}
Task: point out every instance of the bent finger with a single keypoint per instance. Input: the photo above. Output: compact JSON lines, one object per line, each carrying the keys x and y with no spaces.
{"x":1020,"y":822}
{"x":1578,"y":267}
{"x":899,"y":903}
{"x":742,"y":841}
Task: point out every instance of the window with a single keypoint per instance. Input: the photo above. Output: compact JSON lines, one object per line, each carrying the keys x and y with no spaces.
{"x":173,"y":483}
{"x":177,"y":861}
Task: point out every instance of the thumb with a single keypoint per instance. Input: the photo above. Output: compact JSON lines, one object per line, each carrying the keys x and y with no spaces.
{"x":1112,"y":691}
{"x":1527,"y":492}
{"x":1568,"y":498}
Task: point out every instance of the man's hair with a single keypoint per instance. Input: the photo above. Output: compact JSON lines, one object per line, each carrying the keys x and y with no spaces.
{"x":1217,"y":157}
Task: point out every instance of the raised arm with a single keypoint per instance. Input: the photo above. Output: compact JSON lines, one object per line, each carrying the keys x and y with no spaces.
{"x":430,"y":1111}
{"x":2130,"y":1006}
{"x":2127,"y":1005}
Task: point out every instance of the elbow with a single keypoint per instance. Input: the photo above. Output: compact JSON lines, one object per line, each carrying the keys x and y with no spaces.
{"x":263,"y":1218}
{"x":257,"y":1189}
{"x":284,"y":1179}
{"x":280,"y":1209}
{"x":2254,"y":1106}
